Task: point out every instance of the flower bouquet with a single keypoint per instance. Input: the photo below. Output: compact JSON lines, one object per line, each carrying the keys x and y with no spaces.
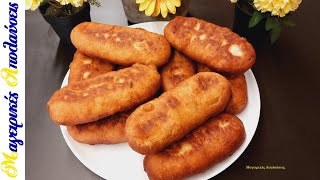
{"x":273,"y":13}
{"x":63,"y":15}
{"x":66,"y":7}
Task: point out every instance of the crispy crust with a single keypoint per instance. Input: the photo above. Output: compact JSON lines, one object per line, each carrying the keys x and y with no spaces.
{"x":217,"y":47}
{"x":205,"y":146}
{"x":84,"y":67}
{"x":110,"y":130}
{"x":120,"y":45}
{"x":104,"y":95}
{"x":177,"y":70}
{"x":164,"y":120}
{"x":238,"y":100}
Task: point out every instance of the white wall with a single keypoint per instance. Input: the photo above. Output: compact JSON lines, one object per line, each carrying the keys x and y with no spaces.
{"x":110,"y":12}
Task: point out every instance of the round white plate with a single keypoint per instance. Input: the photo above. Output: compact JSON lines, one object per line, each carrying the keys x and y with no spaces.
{"x":118,"y":162}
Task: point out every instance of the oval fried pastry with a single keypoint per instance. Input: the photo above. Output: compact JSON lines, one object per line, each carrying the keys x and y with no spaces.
{"x":109,"y":130}
{"x":104,"y":95}
{"x":120,"y":45}
{"x":166,"y":119}
{"x":205,"y":146}
{"x":84,"y":67}
{"x":239,"y":98}
{"x":177,"y":70}
{"x":217,"y":47}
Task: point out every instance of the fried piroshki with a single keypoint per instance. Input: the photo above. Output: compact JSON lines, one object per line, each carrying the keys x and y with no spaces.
{"x":102,"y":96}
{"x":210,"y":143}
{"x":84,"y":67}
{"x":120,"y":45}
{"x":217,"y":47}
{"x":239,"y":96}
{"x":178,"y":69}
{"x":109,"y":130}
{"x":166,"y":119}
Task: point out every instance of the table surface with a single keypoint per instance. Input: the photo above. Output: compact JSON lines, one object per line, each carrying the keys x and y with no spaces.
{"x":287,"y":74}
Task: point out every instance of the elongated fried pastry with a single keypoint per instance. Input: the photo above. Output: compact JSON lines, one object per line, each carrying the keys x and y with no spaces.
{"x":217,"y":47}
{"x":84,"y":67}
{"x":204,"y":147}
{"x":120,"y":45}
{"x":238,"y":100}
{"x":177,"y":70}
{"x":109,"y":130}
{"x":104,"y":95}
{"x":166,"y":119}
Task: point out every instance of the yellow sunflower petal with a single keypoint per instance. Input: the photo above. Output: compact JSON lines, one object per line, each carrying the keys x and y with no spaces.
{"x":156,"y":9}
{"x":139,"y":1}
{"x":143,"y":6}
{"x":164,"y":9}
{"x":171,"y":7}
{"x":150,"y":8}
{"x":176,"y":3}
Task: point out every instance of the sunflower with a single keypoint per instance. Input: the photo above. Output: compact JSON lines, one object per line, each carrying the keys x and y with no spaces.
{"x":155,"y":7}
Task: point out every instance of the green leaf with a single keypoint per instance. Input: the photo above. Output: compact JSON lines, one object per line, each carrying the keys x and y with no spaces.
{"x":288,"y":22}
{"x":255,"y":19}
{"x":269,"y":24}
{"x":272,"y":22}
{"x":275,"y":33}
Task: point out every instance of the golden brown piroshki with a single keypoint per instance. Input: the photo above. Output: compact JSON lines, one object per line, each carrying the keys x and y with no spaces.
{"x":109,"y":130}
{"x":217,"y":47}
{"x":210,"y":143}
{"x":166,"y":119}
{"x":177,"y":70}
{"x":120,"y":45}
{"x":84,"y":67}
{"x":104,"y":95}
{"x":239,"y":98}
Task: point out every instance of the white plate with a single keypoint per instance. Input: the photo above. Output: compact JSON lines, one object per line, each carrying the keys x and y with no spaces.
{"x":118,"y":162}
